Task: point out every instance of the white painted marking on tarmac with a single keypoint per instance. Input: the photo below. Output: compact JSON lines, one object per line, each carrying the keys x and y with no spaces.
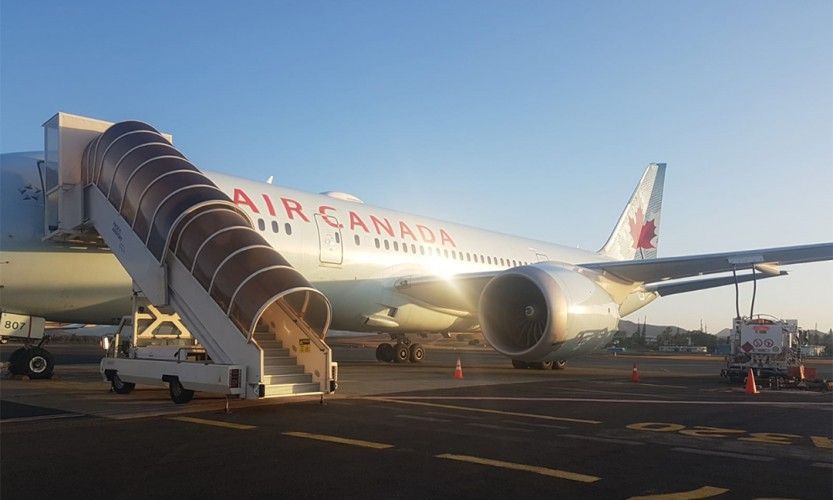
{"x":214,"y":423}
{"x":742,"y":456}
{"x":486,"y":410}
{"x":545,"y":471}
{"x":41,"y":417}
{"x":427,"y":419}
{"x":788,"y":404}
{"x":602,"y":439}
{"x":499,"y":427}
{"x":340,"y":440}
{"x":641,"y":383}
{"x":704,"y":492}
{"x":543,"y":426}
{"x":823,"y":465}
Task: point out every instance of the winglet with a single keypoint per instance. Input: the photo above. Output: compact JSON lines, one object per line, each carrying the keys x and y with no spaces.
{"x":636,"y":235}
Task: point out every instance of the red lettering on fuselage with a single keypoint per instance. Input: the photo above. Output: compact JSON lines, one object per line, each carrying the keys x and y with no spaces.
{"x":269,"y":207}
{"x":241,"y":198}
{"x":404,"y":229}
{"x":381,"y":225}
{"x":427,"y":234}
{"x":356,"y":221}
{"x":293,"y":207}
{"x":385,"y":225}
{"x":445,"y":237}
{"x":329,"y":219}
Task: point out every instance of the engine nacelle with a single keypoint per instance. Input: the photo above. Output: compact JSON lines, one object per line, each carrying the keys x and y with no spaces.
{"x":545,"y":312}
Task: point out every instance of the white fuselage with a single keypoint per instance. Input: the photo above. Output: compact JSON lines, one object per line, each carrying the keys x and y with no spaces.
{"x":351,"y":251}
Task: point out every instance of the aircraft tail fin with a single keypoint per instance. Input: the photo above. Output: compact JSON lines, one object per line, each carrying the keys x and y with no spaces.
{"x":636,"y":235}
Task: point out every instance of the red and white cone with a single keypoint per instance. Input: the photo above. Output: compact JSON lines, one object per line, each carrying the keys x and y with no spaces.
{"x":635,"y":374}
{"x":751,"y":388}
{"x":458,"y":372}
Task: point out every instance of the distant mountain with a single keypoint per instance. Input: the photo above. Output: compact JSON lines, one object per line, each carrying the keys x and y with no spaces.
{"x":651,"y":331}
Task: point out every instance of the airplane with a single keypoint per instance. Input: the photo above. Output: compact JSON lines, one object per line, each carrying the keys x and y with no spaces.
{"x":383,"y":271}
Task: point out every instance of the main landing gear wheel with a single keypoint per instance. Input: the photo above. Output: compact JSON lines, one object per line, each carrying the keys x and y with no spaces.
{"x":559,"y":364}
{"x":540,"y":365}
{"x":120,"y":386}
{"x":179,"y":394}
{"x":417,"y":353}
{"x":384,"y":352}
{"x":32,"y":361}
{"x":401,"y":353}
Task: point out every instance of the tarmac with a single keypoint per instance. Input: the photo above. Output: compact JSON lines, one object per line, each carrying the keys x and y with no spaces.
{"x":413,"y":431}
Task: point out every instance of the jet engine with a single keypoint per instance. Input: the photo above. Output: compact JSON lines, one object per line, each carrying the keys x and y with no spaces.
{"x":546,"y":312}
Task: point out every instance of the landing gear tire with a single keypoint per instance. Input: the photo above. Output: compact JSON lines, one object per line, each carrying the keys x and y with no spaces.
{"x":521,"y":365}
{"x":541,"y":365}
{"x":559,"y":364}
{"x":120,"y":386}
{"x":384,"y":352}
{"x":417,"y":353}
{"x":32,"y":361}
{"x":179,"y":394}
{"x":401,"y":353}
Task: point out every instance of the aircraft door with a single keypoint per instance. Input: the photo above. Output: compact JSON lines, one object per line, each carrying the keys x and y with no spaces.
{"x":329,"y":239}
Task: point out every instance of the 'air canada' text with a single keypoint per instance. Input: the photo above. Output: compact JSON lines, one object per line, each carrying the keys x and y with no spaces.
{"x":381,"y":226}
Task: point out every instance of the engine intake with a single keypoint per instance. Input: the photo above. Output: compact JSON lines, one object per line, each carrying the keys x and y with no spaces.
{"x":545,"y":312}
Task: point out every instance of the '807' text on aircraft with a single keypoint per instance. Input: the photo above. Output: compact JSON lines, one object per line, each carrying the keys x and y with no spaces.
{"x":377,"y":270}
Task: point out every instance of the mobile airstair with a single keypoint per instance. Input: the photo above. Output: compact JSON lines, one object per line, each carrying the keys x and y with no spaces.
{"x":242,"y":320}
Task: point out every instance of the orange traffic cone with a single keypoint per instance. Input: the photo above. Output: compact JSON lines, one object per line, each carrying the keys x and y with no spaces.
{"x":751,"y":388}
{"x":634,"y":374}
{"x":458,"y":372}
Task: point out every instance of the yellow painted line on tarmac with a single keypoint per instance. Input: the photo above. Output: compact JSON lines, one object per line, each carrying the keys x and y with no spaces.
{"x":487,"y":410}
{"x":544,"y":471}
{"x":339,"y":440}
{"x":215,"y":423}
{"x":704,"y":492}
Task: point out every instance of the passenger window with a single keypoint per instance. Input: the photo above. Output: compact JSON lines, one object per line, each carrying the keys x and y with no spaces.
{"x":396,"y":246}
{"x":274,"y":226}
{"x":387,"y":245}
{"x":501,"y":261}
{"x":489,"y":259}
{"x":405,"y":247}
{"x":468,"y":256}
{"x":453,"y":254}
{"x":357,"y":240}
{"x":261,"y":225}
{"x":413,"y":248}
{"x":288,"y":229}
{"x":446,"y":253}
{"x":422,"y":250}
{"x":338,"y":238}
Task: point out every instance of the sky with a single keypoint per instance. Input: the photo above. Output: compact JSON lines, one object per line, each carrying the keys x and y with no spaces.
{"x":529,"y":118}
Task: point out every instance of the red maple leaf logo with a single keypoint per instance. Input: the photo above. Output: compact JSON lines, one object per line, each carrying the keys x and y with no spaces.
{"x":642,"y":231}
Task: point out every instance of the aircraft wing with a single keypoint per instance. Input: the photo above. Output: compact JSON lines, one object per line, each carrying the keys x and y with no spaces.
{"x":667,"y":276}
{"x":766,"y":260}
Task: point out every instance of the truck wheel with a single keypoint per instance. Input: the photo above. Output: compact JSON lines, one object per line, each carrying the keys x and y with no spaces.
{"x":179,"y":394}
{"x":559,"y":364}
{"x":121,"y":387}
{"x":39,"y":363}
